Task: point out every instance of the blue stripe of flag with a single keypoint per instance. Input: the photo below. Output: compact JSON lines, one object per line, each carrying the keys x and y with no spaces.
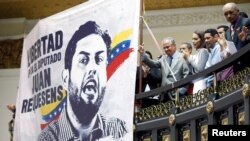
{"x":118,"y":49}
{"x":56,"y":111}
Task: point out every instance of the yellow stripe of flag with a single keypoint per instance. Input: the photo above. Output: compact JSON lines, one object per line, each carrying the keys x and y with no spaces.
{"x":121,"y":37}
{"x":48,"y":108}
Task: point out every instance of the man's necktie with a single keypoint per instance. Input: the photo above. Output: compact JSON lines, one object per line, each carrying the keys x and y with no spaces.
{"x":232,"y":31}
{"x":170,"y":58}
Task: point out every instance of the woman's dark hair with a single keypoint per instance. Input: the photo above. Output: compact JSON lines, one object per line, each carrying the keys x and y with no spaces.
{"x":201,"y":36}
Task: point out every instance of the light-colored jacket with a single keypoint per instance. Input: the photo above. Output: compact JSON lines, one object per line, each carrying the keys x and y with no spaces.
{"x":179,"y":67}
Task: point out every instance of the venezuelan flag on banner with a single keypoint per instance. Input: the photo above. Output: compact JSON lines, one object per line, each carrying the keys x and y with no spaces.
{"x":77,"y":77}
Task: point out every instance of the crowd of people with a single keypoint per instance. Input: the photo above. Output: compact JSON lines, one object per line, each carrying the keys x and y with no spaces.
{"x":212,"y":46}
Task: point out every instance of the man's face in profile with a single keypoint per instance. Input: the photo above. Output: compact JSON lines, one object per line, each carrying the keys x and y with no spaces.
{"x":210,"y":40}
{"x":88,"y":78}
{"x":221,"y":32}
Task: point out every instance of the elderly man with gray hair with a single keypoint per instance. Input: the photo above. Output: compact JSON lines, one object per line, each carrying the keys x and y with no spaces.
{"x":173,"y":61}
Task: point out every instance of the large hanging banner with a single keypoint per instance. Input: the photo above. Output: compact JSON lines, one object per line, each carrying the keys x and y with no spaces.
{"x":77,"y":77}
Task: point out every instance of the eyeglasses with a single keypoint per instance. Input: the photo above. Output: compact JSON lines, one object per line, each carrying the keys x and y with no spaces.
{"x":183,"y":48}
{"x":166,"y":47}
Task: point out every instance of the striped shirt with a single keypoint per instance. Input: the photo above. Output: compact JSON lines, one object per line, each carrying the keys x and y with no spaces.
{"x":62,"y":129}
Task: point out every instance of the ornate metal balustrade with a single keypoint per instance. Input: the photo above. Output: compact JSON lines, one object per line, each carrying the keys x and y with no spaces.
{"x":187,"y":119}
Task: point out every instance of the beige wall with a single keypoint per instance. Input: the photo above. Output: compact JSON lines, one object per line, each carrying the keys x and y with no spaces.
{"x":178,"y":23}
{"x":9,"y":79}
{"x":181,"y":23}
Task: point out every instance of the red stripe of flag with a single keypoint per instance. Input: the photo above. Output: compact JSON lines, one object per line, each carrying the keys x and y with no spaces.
{"x":46,"y":124}
{"x":117,"y":62}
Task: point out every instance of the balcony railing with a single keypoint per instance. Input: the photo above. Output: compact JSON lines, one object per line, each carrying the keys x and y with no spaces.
{"x":227,"y":103}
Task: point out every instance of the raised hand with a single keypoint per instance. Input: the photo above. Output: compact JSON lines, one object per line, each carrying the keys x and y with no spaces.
{"x":141,"y":48}
{"x":243,"y":33}
{"x":222,"y":42}
{"x":185,"y":54}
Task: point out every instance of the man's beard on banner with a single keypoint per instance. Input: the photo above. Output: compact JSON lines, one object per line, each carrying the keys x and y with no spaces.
{"x":83,"y":111}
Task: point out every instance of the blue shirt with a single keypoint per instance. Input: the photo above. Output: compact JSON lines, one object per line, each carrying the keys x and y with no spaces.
{"x":213,"y":58}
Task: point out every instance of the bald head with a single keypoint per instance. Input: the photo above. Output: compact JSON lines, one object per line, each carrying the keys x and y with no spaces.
{"x":230,"y":6}
{"x":231,"y":12}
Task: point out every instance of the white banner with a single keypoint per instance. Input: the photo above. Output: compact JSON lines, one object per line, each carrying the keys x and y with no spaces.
{"x":77,"y":77}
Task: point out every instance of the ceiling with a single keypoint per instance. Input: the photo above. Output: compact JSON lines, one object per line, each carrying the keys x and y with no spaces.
{"x":36,"y":9}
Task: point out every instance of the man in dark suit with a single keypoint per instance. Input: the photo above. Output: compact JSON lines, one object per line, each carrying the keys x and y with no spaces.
{"x":151,"y":78}
{"x":239,"y":32}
